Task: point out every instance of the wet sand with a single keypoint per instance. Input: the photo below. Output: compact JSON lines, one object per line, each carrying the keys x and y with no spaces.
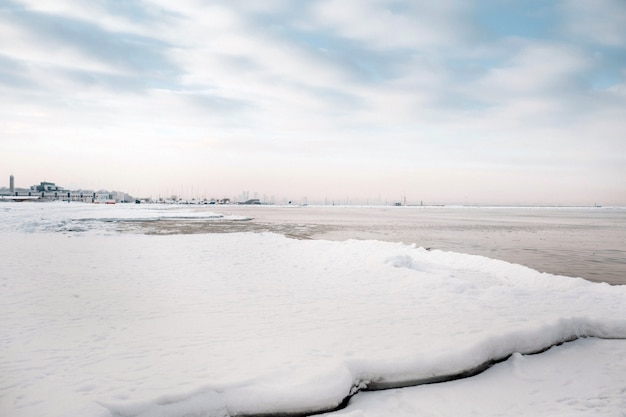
{"x":578,"y":242}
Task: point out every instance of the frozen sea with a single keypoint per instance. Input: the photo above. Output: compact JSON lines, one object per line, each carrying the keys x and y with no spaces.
{"x":187,"y":311}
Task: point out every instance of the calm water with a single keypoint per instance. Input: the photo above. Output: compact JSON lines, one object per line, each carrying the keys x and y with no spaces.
{"x":578,"y":242}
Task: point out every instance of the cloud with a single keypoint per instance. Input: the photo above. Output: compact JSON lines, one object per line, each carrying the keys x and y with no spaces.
{"x":595,"y":21}
{"x":114,"y":50}
{"x":13,"y":73}
{"x":397,"y":25}
{"x":389,"y":88}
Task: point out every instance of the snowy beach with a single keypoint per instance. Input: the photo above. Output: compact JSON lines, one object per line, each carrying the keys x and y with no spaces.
{"x":131,"y":311}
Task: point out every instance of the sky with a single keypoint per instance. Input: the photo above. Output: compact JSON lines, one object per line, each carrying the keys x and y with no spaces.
{"x":482,"y":102}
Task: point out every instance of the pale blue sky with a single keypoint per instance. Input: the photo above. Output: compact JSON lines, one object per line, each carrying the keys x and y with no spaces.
{"x":446,"y":102}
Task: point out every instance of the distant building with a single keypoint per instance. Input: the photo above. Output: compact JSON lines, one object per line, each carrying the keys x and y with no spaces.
{"x":46,"y":187}
{"x":252,"y":201}
{"x":49,"y":191}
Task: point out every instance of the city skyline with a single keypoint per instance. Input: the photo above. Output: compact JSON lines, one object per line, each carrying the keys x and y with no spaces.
{"x":190,"y":194}
{"x":447,"y":103}
{"x":184,"y":193}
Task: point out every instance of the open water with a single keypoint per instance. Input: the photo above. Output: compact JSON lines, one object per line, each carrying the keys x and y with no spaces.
{"x":587,"y":242}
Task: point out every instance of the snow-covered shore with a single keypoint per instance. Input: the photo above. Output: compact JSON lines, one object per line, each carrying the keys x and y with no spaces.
{"x":98,"y":323}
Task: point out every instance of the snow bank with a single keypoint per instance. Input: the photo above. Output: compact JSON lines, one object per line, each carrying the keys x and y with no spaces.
{"x":112,"y":325}
{"x":578,"y":379}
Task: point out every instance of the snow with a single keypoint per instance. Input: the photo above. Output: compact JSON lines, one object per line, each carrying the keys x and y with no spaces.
{"x":582,"y":378}
{"x":97,"y":323}
{"x":79,"y":217}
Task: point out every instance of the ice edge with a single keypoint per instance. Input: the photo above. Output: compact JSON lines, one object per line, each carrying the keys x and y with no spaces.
{"x":379,"y":384}
{"x":523,"y":342}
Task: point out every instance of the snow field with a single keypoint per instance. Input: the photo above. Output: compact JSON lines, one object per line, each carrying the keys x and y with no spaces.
{"x":209,"y":325}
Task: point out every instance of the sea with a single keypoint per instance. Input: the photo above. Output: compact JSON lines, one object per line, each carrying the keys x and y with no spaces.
{"x":585,"y":242}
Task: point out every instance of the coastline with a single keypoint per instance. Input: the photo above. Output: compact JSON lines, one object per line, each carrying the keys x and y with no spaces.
{"x":585,"y":242}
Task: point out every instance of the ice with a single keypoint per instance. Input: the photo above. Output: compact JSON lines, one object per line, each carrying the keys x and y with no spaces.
{"x":79,"y":217}
{"x":113,"y":324}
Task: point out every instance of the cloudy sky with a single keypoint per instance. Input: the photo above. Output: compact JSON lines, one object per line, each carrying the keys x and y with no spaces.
{"x":489,"y":101}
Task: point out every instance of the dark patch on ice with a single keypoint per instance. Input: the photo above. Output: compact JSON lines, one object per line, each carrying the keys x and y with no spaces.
{"x":201,"y":226}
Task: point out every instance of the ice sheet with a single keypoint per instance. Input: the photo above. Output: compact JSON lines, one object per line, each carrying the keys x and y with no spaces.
{"x":226,"y":324}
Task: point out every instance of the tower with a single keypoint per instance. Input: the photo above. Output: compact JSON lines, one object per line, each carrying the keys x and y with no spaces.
{"x":11,"y":184}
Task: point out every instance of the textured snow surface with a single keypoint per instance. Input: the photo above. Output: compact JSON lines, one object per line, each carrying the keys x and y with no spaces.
{"x":583,"y":378}
{"x":107,"y":324}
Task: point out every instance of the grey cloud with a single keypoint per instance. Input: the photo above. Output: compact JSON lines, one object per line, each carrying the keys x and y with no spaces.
{"x":126,"y":83}
{"x":14,"y":74}
{"x":240,"y":64}
{"x":217,"y":103}
{"x":287,"y":24}
{"x":137,"y":10}
{"x":123,"y":50}
{"x":596,"y":21}
{"x":25,"y":76}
